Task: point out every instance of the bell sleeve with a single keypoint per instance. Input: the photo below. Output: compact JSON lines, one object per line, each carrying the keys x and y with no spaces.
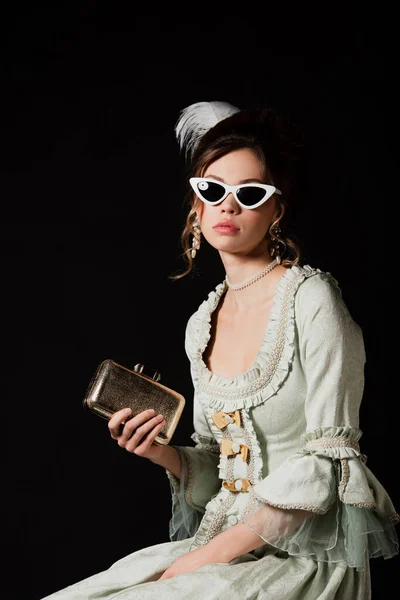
{"x":199,"y":478}
{"x":323,"y":501}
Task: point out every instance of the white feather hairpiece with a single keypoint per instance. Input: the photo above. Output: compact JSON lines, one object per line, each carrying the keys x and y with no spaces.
{"x":195,"y":120}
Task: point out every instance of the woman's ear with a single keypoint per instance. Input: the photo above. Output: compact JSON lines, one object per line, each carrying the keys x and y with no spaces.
{"x":199,"y":211}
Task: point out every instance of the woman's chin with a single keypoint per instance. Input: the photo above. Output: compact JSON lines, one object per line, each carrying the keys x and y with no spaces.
{"x":235,"y":245}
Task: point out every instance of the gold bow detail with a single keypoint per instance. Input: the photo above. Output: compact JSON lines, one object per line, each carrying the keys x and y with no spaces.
{"x":222,"y":419}
{"x":237,"y":485}
{"x":227,"y":450}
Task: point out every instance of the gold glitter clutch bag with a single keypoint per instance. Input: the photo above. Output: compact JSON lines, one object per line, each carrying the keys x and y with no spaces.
{"x":114,"y":387}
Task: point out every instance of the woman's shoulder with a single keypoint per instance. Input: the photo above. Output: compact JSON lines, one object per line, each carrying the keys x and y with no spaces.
{"x":315,"y":284}
{"x":198,"y":321}
{"x":318,"y":293}
{"x":207,"y":305}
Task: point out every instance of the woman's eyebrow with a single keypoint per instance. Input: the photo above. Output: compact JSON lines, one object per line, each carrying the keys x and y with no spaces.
{"x":250,"y":180}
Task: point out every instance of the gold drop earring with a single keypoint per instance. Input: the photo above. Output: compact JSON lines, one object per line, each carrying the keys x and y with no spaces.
{"x":196,"y":236}
{"x":275,"y":234}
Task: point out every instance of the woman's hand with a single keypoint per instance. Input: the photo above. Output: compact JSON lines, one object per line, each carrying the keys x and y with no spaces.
{"x":131,"y":434}
{"x":193,"y":560}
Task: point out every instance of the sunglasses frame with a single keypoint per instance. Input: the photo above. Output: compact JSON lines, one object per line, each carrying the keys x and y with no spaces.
{"x":269,"y":189}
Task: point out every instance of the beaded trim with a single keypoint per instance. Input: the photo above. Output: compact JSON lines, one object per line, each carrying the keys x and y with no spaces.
{"x":256,"y":466}
{"x":370,"y":505}
{"x":174,"y":483}
{"x":249,"y":444}
{"x":218,"y":519}
{"x":331,"y":443}
{"x":344,"y":477}
{"x":272,"y":364}
{"x":190,"y":481}
{"x":250,"y":504}
{"x":226,"y":434}
{"x":300,"y":506}
{"x":229,"y":465}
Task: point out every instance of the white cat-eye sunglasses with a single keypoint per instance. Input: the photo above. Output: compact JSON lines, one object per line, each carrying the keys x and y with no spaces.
{"x":248,"y":195}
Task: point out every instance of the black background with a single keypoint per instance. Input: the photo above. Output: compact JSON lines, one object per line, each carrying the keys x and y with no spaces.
{"x":92,"y":209}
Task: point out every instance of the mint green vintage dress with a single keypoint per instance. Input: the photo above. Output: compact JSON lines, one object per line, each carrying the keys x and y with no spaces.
{"x":282,"y":437}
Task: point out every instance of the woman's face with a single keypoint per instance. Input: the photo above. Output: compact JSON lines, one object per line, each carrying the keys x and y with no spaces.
{"x":247,"y":233}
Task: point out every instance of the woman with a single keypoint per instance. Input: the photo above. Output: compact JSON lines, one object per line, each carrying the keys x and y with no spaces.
{"x":275,"y":499}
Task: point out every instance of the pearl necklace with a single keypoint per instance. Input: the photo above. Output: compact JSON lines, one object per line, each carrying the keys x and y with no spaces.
{"x":257,"y":276}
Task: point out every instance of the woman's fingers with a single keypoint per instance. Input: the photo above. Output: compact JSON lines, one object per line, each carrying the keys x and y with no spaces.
{"x":138,"y":424}
{"x":114,"y":424}
{"x":140,"y":446}
{"x":133,"y":429}
{"x":134,"y":432}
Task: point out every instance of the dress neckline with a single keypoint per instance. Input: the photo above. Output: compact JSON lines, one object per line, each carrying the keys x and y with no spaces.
{"x":274,"y":358}
{"x":214,"y":301}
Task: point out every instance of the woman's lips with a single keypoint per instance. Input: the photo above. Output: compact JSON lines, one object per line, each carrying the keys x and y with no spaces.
{"x":226,"y":228}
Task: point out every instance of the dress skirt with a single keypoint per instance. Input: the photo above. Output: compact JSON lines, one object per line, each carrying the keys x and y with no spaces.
{"x":271,"y":575}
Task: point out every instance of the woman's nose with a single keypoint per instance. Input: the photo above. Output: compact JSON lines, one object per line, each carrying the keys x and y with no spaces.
{"x":229,"y":204}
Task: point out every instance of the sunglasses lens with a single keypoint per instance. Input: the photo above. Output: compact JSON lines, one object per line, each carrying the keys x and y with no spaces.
{"x":250,"y":195}
{"x":210,"y":191}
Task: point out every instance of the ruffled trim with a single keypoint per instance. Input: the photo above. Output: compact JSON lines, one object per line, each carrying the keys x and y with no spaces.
{"x":334,"y":442}
{"x":344,"y":534}
{"x":185,"y":518}
{"x":213,"y":518}
{"x":300,"y":482}
{"x":205,"y":443}
{"x":273,"y":360}
{"x":351,"y":516}
{"x":333,"y":467}
{"x":256,"y":460}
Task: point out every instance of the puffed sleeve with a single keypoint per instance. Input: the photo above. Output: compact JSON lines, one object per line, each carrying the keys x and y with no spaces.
{"x":324,"y":501}
{"x":199,"y":478}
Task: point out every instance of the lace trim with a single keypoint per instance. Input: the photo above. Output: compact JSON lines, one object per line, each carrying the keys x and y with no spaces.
{"x":325,"y":442}
{"x":344,"y":479}
{"x":254,"y":473}
{"x":369,"y":505}
{"x":296,"y":505}
{"x":254,"y":470}
{"x":174,"y":486}
{"x":251,"y":441}
{"x":218,"y":519}
{"x":229,"y":460}
{"x":190,"y":481}
{"x":272,"y":364}
{"x":251,"y":504}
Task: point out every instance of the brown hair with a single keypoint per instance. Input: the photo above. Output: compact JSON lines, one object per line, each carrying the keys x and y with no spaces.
{"x":276,"y":143}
